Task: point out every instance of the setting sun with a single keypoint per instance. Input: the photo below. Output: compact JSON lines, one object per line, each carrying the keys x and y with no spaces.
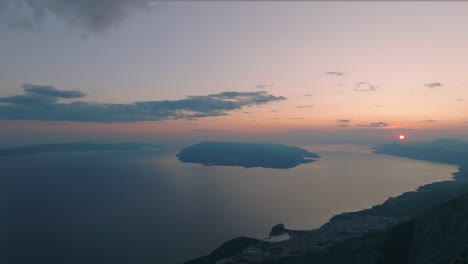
{"x":401,"y":137}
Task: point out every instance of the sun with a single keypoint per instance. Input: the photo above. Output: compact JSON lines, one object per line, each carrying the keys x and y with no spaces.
{"x":401,"y":137}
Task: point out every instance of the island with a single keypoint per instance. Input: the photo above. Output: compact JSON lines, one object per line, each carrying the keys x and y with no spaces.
{"x":247,"y":155}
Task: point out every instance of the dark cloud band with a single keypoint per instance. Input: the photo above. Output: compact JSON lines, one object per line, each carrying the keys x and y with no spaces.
{"x":433,"y":85}
{"x":334,"y":73}
{"x":92,"y":15}
{"x":375,"y":124}
{"x":51,"y":91}
{"x":42,"y":103}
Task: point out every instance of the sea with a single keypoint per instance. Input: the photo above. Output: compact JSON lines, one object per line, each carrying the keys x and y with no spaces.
{"x":145,"y":206}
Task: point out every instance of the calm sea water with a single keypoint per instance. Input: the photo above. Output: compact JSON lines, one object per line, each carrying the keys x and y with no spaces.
{"x":147,"y":207}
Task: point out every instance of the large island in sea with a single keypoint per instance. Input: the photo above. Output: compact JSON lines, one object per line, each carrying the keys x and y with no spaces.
{"x":247,"y":155}
{"x":426,"y":226}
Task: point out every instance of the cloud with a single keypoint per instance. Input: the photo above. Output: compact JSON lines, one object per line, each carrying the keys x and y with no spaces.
{"x":334,"y":73}
{"x":430,"y":120}
{"x":263,"y":86}
{"x":43,"y":104}
{"x":343,"y":121}
{"x":295,"y":118}
{"x":27,"y":100}
{"x":306,"y":106}
{"x":433,"y":85}
{"x":375,"y":124}
{"x":376,"y":106}
{"x":208,"y":130}
{"x":40,"y":95}
{"x":92,"y":15}
{"x":365,"y":87}
{"x":51,"y":91}
{"x":304,"y":95}
{"x":460,"y":100}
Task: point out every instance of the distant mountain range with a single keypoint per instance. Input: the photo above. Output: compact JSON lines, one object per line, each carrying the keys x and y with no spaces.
{"x":73,"y":147}
{"x":444,"y":150}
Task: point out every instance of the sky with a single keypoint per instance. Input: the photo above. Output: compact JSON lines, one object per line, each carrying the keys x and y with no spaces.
{"x":91,"y":68}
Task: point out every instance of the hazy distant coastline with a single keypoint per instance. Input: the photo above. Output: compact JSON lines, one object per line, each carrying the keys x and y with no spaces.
{"x":443,"y":150}
{"x":73,"y":147}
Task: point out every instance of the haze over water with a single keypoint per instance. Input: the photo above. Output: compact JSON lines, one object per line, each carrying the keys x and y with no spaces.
{"x":148,"y":206}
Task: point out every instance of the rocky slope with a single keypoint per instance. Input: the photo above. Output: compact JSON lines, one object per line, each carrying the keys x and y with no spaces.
{"x":438,"y":235}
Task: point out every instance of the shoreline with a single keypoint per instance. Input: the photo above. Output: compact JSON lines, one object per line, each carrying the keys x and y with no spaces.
{"x":344,"y":226}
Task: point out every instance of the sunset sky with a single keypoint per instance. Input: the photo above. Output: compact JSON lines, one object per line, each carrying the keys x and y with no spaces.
{"x":237,"y":67}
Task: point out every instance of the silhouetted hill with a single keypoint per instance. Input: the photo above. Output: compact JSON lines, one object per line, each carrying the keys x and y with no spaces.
{"x":227,"y":249}
{"x":451,"y":151}
{"x":247,"y":155}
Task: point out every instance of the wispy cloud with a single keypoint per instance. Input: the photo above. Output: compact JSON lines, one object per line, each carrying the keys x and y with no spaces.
{"x":306,"y":106}
{"x":365,"y":87}
{"x":42,"y":103}
{"x":207,"y":130}
{"x":430,"y":120}
{"x":36,"y":95}
{"x":91,"y":15}
{"x":433,"y":85}
{"x":343,"y":122}
{"x":375,"y":106}
{"x":295,"y":118}
{"x":51,"y":91}
{"x":264,"y":86}
{"x":334,"y":73}
{"x":375,"y":124}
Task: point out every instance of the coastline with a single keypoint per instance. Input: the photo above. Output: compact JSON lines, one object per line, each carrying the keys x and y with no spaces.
{"x":344,"y":226}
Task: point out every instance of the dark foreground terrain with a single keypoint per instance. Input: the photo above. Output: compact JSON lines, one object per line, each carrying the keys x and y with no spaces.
{"x":247,"y":155}
{"x":429,"y":225}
